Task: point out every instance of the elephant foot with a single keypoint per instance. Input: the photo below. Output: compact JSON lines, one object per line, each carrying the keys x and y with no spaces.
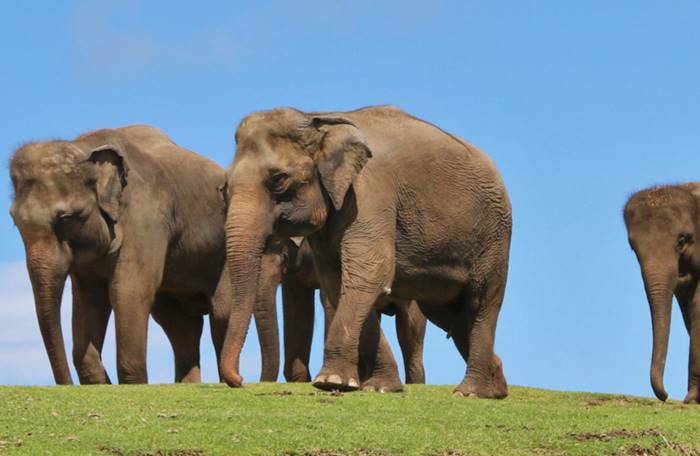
{"x":296,"y":373}
{"x":301,"y":378}
{"x":382,"y":384}
{"x":101,"y":378}
{"x":328,"y":380}
{"x":492,"y":387}
{"x":191,"y":375}
{"x":693,"y":396}
{"x":486,"y":391}
{"x":415,"y":374}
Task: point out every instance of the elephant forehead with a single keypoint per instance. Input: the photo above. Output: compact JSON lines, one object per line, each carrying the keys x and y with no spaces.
{"x":43,"y":160}
{"x":281,"y":122}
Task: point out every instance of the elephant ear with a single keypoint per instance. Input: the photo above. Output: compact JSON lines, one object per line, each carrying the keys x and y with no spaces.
{"x":342,"y":153}
{"x":110,"y":179}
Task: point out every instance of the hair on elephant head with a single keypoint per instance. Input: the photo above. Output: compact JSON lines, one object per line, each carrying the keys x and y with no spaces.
{"x":290,"y":170}
{"x":663,"y":229}
{"x":67,"y":204}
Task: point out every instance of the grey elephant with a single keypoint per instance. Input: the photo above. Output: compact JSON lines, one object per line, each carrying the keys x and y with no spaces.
{"x":299,"y":283}
{"x":663,"y":226}
{"x":391,"y":206}
{"x":138,"y":224}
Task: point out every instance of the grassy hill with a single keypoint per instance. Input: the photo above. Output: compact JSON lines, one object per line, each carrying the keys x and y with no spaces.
{"x":284,"y":419}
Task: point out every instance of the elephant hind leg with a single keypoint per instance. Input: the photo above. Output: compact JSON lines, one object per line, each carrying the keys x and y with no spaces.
{"x":377,"y":366}
{"x":184,"y":333}
{"x":298,"y":305}
{"x":410,"y":330}
{"x":474,"y":336}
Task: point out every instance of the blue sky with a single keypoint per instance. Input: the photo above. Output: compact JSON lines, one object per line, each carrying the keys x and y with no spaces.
{"x":578,"y":103}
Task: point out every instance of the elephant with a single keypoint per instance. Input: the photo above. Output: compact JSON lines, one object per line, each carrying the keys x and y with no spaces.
{"x":138,"y":224}
{"x":663,"y":226}
{"x":391,"y":205}
{"x":299,"y":283}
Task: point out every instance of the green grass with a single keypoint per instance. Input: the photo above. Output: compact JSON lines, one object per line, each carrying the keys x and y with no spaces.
{"x":297,"y":419}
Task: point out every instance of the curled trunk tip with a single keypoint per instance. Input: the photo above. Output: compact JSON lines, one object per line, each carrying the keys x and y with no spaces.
{"x":657,"y":384}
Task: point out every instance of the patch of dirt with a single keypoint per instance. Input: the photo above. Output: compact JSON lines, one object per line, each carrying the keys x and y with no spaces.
{"x":275,"y":393}
{"x":504,"y":428}
{"x":8,"y":442}
{"x":119,"y":452}
{"x":620,"y":400}
{"x":360,"y":452}
{"x":366,"y":452}
{"x":637,"y":450}
{"x":656,"y":450}
{"x":615,"y":434}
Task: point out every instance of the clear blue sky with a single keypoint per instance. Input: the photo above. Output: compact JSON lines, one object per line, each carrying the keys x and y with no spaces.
{"x":578,"y":103}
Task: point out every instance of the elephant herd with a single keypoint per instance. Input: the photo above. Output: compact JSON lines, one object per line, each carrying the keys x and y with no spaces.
{"x":381,"y":211}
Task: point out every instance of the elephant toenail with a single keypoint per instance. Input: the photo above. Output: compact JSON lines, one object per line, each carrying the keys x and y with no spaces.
{"x":369,"y":388}
{"x":383,"y":390}
{"x":320,"y":379}
{"x":334,"y":379}
{"x":352,"y":383}
{"x":458,"y":394}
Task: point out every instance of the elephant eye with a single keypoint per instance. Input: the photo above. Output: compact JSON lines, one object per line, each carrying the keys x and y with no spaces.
{"x":67,"y":225}
{"x":279,"y":183}
{"x":685,"y":239}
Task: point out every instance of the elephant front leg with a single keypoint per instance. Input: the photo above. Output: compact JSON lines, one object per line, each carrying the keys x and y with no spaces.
{"x":265,"y":313}
{"x":132,"y":300}
{"x":365,"y":275}
{"x":218,"y":317}
{"x":690,"y":308}
{"x":91,"y":311}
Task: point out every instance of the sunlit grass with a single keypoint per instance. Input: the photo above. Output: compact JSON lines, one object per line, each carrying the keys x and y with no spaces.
{"x":297,"y":419}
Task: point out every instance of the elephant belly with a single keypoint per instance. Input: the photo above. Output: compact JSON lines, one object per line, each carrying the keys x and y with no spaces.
{"x":434,"y":285}
{"x":194,"y":280}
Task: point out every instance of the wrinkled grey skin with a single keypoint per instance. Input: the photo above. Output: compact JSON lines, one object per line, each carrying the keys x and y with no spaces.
{"x":137,"y":223}
{"x":299,"y":283}
{"x":663,"y":226}
{"x":390,"y":205}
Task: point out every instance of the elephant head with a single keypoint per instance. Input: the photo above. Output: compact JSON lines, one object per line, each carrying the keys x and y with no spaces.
{"x":662,"y":226}
{"x":67,"y":204}
{"x":290,"y":171}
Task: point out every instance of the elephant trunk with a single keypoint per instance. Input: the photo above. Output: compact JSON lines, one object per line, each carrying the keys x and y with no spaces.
{"x":659,"y":283}
{"x":247,"y":230}
{"x":48,"y":263}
